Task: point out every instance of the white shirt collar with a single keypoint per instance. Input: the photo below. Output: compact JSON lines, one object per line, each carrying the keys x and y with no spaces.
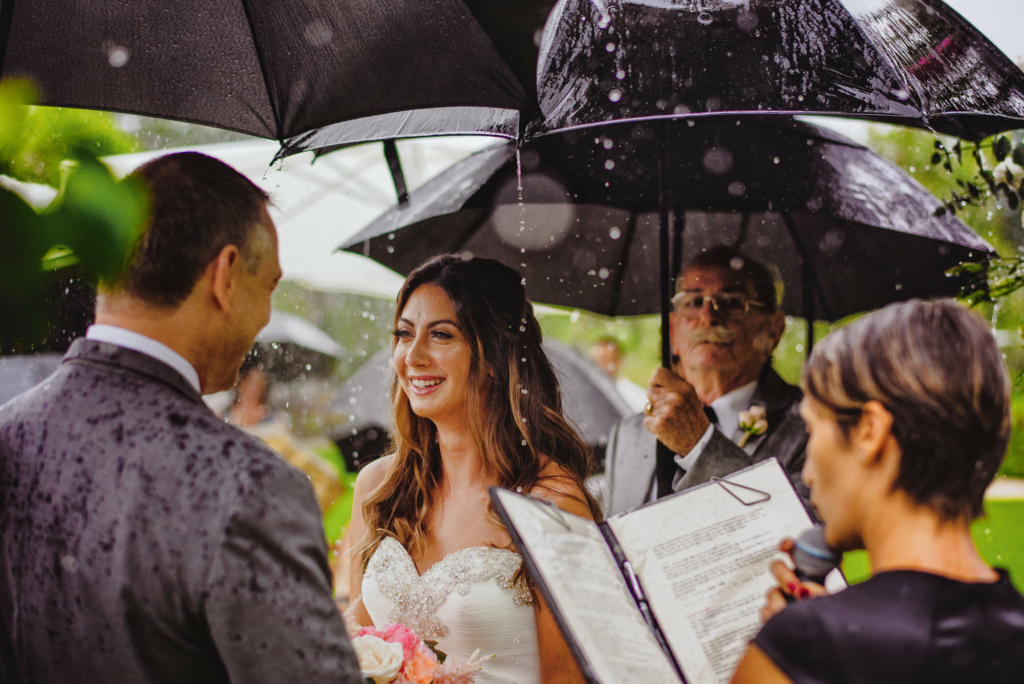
{"x":129,"y":339}
{"x":729,"y":406}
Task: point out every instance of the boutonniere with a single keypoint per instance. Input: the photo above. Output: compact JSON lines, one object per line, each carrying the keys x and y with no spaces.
{"x":753,"y":422}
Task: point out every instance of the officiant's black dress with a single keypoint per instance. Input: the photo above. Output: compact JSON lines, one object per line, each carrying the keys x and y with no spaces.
{"x":902,"y":627}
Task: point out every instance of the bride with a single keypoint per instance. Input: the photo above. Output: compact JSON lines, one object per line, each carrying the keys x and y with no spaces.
{"x":476,"y":404}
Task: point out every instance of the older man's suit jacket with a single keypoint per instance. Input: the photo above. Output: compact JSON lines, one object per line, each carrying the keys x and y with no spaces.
{"x":144,"y":540}
{"x":630,"y":461}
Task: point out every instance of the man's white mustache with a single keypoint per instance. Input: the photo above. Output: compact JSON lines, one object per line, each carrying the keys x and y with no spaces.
{"x":716,"y":334}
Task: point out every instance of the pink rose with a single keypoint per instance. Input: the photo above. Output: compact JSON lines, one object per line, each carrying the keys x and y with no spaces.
{"x":400,"y":634}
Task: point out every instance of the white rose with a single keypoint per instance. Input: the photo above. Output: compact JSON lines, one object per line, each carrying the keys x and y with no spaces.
{"x":1008,"y":172}
{"x":378,"y":660}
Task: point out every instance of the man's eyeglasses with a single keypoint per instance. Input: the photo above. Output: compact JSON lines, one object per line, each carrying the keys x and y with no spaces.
{"x":690,"y":304}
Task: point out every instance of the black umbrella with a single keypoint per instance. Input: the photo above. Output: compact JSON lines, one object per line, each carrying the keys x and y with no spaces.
{"x":589,"y":399}
{"x":581,"y":220}
{"x":913,"y":62}
{"x":281,"y":68}
{"x":848,"y":230}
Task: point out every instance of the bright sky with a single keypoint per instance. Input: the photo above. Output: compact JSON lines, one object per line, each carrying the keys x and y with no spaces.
{"x":1002,"y":21}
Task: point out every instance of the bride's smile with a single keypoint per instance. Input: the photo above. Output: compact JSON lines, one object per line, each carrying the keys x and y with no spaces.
{"x":432,"y":356}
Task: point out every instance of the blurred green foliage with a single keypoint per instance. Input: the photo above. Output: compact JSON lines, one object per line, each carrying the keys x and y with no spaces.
{"x":90,"y":226}
{"x":35,"y":140}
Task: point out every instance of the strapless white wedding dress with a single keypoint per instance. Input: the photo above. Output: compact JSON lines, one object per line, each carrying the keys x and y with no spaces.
{"x":466,"y":601}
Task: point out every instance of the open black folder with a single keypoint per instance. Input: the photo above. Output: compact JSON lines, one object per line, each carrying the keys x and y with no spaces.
{"x":669,"y":592}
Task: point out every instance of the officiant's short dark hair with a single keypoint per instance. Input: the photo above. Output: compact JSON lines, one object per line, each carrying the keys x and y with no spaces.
{"x":936,"y":367}
{"x":198,"y":206}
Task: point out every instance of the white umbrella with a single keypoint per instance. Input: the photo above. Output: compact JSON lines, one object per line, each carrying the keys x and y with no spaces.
{"x":317,"y":205}
{"x":286,"y":328}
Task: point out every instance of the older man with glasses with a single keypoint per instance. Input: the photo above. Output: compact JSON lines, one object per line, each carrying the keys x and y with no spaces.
{"x":722,"y":407}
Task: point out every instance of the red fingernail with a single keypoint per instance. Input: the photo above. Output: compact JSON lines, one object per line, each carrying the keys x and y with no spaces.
{"x":804,"y":592}
{"x":792,"y":587}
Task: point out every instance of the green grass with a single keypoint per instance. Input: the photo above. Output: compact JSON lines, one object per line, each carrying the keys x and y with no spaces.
{"x":999,"y":537}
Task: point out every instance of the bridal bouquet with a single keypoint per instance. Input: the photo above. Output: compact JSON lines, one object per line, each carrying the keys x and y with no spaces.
{"x":396,"y":655}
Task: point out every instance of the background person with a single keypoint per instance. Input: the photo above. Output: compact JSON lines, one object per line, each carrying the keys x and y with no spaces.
{"x":251,"y":412}
{"x":724,"y":326}
{"x":908,"y":411}
{"x":476,"y":404}
{"x":607,"y":354}
{"x":144,"y":539}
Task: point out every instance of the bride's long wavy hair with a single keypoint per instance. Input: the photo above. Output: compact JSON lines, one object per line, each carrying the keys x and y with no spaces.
{"x":513,"y":409}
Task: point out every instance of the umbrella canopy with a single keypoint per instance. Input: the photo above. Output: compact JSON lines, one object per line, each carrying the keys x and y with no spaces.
{"x":280,"y":69}
{"x":309,"y":197}
{"x":291,"y":348}
{"x":848,"y":230}
{"x":589,"y":398}
{"x":913,"y":62}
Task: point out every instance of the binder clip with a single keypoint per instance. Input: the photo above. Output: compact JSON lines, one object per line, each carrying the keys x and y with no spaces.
{"x":742,"y":493}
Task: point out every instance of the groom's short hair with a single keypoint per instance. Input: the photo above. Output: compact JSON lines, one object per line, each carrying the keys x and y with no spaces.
{"x":198,"y":206}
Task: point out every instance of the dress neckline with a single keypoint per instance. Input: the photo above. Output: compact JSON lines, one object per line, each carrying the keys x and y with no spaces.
{"x":447,"y":558}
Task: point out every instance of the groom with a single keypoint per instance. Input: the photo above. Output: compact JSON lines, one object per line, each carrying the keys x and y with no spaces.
{"x":141,"y":538}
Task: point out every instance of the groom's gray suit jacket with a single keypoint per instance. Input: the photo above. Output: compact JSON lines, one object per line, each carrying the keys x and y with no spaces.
{"x":142,"y":539}
{"x":630,"y":460}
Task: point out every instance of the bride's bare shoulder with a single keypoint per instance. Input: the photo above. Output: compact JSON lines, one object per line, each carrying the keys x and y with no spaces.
{"x":559,"y":487}
{"x":371,"y":475}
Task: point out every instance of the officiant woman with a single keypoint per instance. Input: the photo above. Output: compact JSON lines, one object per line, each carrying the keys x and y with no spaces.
{"x":476,"y":404}
{"x":908,"y":415}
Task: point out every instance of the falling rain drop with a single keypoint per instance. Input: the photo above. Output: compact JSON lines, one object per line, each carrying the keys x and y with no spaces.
{"x":603,"y":274}
{"x":609,"y":165}
{"x":620,"y":74}
{"x":615,"y":95}
{"x":610,"y":47}
{"x":117,"y":57}
{"x":614,"y":233}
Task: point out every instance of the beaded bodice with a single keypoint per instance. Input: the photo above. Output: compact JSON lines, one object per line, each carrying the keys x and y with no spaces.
{"x":417,"y":597}
{"x":466,"y":601}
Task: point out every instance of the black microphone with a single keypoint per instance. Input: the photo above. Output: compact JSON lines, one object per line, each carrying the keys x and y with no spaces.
{"x":813,"y":557}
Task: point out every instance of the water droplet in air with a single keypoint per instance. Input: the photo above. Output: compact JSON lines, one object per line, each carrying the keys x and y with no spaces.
{"x":525,"y":392}
{"x":610,"y":47}
{"x":620,"y":74}
{"x":609,"y":165}
{"x":614,"y":233}
{"x":117,"y":57}
{"x":615,"y":95}
{"x":704,"y":18}
{"x":603,"y":274}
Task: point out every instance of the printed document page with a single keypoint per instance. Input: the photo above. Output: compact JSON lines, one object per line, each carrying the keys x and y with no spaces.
{"x":702,"y":557}
{"x":589,"y":592}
